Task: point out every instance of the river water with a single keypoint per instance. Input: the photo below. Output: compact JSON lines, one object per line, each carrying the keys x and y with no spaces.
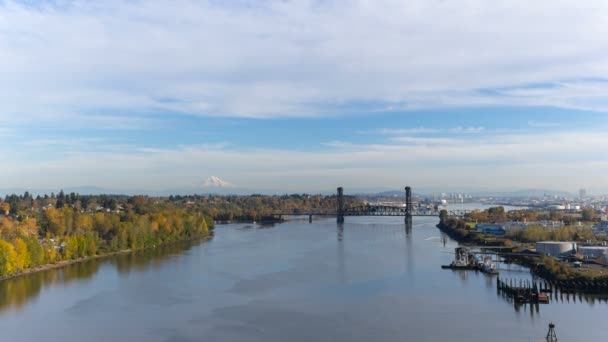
{"x":369,"y":279}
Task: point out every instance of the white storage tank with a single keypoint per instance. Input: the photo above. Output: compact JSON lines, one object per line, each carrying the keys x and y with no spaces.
{"x":556,"y":248}
{"x":593,"y":251}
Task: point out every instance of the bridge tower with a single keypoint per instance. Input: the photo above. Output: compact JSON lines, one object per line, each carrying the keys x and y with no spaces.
{"x":340,"y":209}
{"x":408,"y":202}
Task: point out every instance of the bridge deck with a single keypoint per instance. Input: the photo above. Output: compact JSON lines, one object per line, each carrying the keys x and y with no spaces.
{"x":380,"y":210}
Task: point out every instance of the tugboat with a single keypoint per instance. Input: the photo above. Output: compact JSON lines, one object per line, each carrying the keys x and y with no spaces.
{"x":463,"y":260}
{"x":488,"y":266}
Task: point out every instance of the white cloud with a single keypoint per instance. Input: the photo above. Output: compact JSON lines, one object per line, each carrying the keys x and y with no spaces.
{"x":298,"y":58}
{"x":554,"y":160}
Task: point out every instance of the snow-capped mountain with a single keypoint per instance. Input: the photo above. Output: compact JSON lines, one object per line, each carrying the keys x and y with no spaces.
{"x":216,"y":182}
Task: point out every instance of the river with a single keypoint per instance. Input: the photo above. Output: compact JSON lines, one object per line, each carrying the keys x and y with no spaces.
{"x":366,"y":280}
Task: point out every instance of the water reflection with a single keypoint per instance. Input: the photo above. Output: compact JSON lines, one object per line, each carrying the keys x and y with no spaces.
{"x":152,"y":258}
{"x":341,"y":258}
{"x":16,"y":292}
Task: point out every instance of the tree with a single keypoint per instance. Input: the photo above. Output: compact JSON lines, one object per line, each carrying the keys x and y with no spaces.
{"x":588,"y":214}
{"x":8,"y":259}
{"x":5,"y":208}
{"x":22,"y":256}
{"x":497,"y":214}
{"x":443,"y":216}
{"x":36,"y":252}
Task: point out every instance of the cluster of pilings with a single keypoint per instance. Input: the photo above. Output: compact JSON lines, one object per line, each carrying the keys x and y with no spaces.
{"x":581,"y":286}
{"x":523,"y":290}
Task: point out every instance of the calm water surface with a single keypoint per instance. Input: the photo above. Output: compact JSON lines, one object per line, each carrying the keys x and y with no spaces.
{"x":368,"y":280}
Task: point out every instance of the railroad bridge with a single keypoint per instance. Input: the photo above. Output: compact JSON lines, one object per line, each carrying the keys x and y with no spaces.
{"x":407,"y":210}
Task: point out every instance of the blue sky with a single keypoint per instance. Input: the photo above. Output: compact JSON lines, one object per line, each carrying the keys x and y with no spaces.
{"x":303,"y":95}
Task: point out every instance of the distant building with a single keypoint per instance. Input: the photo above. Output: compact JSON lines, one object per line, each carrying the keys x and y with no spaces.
{"x":490,"y":228}
{"x":582,"y":193}
{"x":593,"y":251}
{"x":602,"y":226}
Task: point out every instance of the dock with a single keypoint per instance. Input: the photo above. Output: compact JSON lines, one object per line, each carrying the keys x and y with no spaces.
{"x":526,"y":292}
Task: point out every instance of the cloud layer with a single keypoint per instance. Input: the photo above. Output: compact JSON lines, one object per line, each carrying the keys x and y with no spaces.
{"x":298,"y":58}
{"x":72,"y":69}
{"x":559,"y":160}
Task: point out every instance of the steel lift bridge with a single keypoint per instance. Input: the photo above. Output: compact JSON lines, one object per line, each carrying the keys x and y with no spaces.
{"x":408,"y":211}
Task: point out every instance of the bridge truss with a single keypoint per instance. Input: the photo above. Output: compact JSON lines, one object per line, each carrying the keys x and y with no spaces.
{"x":408,"y":210}
{"x":384,"y":210}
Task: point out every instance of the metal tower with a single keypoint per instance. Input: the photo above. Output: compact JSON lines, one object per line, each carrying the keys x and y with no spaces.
{"x":551,"y":336}
{"x":340,"y":209}
{"x":408,"y":202}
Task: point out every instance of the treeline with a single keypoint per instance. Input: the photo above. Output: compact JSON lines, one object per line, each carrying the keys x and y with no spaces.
{"x":31,"y":238}
{"x":14,"y":204}
{"x":256,"y":207}
{"x":539,"y":233}
{"x":499,"y":215}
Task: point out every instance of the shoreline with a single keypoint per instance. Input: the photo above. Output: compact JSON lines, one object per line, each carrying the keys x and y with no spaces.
{"x":64,"y":263}
{"x":567,"y":283}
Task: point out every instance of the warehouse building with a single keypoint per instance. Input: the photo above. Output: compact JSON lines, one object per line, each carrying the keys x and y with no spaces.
{"x":593,"y":252}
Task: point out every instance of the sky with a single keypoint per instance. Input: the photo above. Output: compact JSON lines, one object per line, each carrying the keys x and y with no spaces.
{"x":304,"y":96}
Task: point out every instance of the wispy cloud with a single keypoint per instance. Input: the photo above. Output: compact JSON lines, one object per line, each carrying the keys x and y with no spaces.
{"x":423,"y":141}
{"x":424,"y":130}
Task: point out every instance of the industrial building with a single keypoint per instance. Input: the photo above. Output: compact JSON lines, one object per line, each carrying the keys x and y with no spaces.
{"x":593,"y":251}
{"x":556,"y":248}
{"x":490,"y":228}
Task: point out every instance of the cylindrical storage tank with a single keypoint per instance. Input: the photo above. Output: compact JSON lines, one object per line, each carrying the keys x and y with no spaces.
{"x":593,"y":251}
{"x":556,"y":248}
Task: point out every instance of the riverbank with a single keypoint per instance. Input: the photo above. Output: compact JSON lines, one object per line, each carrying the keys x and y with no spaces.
{"x":64,"y":263}
{"x":558,"y":273}
{"x":467,"y":237}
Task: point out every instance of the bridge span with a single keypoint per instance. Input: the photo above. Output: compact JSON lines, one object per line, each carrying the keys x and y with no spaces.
{"x":407,"y":210}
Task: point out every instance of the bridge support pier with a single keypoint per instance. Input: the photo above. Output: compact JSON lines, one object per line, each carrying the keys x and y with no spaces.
{"x":340,"y":209}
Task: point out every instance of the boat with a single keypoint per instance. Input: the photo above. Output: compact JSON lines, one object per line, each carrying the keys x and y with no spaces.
{"x":463,"y":260}
{"x":488,"y":266}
